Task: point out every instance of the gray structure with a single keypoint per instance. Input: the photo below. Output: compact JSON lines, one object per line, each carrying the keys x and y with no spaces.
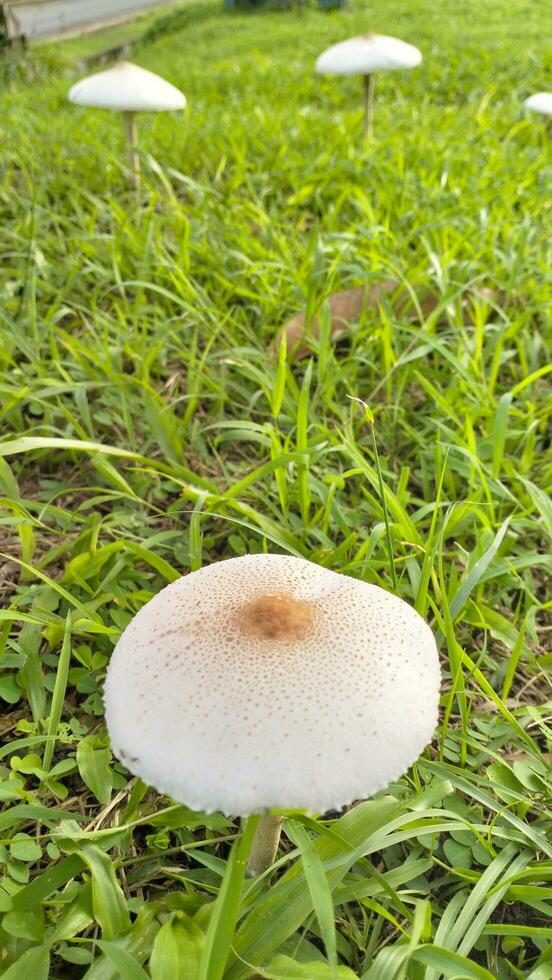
{"x":49,"y":18}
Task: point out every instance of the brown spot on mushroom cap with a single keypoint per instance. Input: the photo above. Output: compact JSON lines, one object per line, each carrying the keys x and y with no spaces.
{"x":275,"y":617}
{"x":282,"y":708}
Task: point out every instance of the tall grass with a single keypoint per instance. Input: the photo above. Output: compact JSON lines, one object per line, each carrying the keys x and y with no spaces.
{"x":147,"y":430}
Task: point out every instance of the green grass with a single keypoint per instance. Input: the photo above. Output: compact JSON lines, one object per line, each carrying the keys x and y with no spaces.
{"x":147,"y":431}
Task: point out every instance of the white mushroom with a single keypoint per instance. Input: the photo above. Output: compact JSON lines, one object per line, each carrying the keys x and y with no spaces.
{"x":268,"y":682}
{"x":364,"y":55}
{"x":128,"y":89}
{"x":540,"y":102}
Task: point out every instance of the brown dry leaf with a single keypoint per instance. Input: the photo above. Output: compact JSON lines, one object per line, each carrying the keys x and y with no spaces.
{"x":346,"y":306}
{"x":525,"y":757}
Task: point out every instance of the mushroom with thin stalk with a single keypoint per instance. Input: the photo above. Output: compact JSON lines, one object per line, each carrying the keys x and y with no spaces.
{"x":128,"y":89}
{"x":364,"y":55}
{"x":541,"y":102}
{"x":266,"y":683}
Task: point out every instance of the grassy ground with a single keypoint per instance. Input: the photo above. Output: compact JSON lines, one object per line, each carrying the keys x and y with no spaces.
{"x":146,"y":431}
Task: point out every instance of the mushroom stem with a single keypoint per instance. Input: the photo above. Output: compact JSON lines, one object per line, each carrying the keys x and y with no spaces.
{"x":265,"y":844}
{"x":132,"y":140}
{"x":368,"y":105}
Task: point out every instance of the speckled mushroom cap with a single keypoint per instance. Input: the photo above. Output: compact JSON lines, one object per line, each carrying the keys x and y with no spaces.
{"x":270,"y":682}
{"x":367,"y":53}
{"x":540,"y":102}
{"x":128,"y":88}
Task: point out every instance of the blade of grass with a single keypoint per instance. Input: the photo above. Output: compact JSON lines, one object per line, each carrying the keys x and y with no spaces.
{"x":318,"y":886}
{"x":58,"y":697}
{"x":220,"y":931}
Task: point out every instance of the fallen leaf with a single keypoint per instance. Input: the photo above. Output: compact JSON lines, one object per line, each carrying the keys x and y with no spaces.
{"x":345,"y":308}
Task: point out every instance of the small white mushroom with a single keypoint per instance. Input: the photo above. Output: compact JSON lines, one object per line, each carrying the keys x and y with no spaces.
{"x":268,"y":682}
{"x":128,"y":89}
{"x":540,"y":102}
{"x":364,"y":55}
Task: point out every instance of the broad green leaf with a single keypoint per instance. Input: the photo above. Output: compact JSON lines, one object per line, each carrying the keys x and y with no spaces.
{"x":93,"y":758}
{"x":34,"y":964}
{"x":285,"y":968}
{"x":108,"y":900}
{"x":541,"y":972}
{"x":10,"y":690}
{"x":78,"y":954}
{"x":47,"y":883}
{"x":450,"y":964}
{"x":125,"y":963}
{"x":459,"y":855}
{"x":24,"y":848}
{"x":76,"y":917}
{"x":25,"y":925}
{"x":177,"y":950}
{"x":137,"y":942}
{"x":8,"y":482}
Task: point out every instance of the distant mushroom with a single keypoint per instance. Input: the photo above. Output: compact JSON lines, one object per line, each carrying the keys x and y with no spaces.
{"x":268,"y":682}
{"x":364,"y":55}
{"x":128,"y":89}
{"x":540,"y":102}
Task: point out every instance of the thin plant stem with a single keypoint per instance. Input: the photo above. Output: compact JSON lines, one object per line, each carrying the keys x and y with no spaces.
{"x":368,"y":106}
{"x":132,"y":141}
{"x":265,"y":844}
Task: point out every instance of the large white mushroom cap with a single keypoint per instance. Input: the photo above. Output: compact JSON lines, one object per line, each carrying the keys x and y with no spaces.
{"x":270,"y":682}
{"x":367,"y":53}
{"x":128,"y":88}
{"x":540,"y":102}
